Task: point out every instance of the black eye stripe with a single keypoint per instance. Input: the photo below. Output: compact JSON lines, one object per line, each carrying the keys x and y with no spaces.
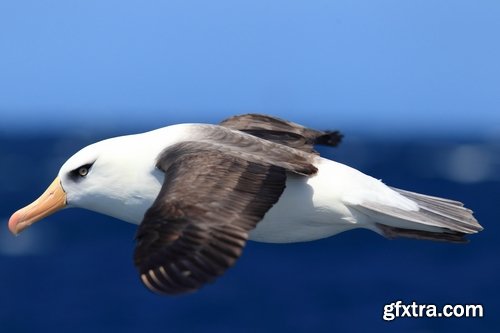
{"x":81,"y":171}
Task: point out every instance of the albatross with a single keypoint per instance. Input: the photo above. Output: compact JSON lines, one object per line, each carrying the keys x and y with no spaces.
{"x":199,"y":191}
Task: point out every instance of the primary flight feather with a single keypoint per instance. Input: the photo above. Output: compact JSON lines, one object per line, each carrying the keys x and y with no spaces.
{"x":199,"y":191}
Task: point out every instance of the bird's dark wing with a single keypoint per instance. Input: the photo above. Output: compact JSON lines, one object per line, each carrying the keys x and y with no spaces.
{"x":212,"y":196}
{"x":282,"y":131}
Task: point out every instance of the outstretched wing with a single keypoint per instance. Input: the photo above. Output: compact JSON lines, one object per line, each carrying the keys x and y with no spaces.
{"x":282,"y":131}
{"x":211,"y":198}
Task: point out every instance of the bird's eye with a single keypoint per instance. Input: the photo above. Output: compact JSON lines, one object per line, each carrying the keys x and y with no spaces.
{"x":83,"y":171}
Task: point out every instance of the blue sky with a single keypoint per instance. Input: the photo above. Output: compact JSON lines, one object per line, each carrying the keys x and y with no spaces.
{"x":378,"y":66}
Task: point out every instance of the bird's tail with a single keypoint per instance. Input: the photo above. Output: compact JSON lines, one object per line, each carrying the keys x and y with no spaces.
{"x":436,"y":219}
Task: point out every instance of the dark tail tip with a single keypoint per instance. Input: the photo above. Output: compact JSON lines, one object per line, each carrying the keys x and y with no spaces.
{"x":445,"y":236}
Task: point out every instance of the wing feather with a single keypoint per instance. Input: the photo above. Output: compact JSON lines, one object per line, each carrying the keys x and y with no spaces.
{"x":282,"y":131}
{"x":212,"y":196}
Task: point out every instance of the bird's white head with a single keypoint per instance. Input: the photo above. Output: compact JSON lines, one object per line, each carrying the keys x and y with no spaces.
{"x":115,"y":177}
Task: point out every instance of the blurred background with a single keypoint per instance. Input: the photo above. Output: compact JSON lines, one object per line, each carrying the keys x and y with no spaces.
{"x":414,"y":86}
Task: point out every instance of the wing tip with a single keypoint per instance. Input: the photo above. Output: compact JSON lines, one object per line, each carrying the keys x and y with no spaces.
{"x":329,"y":138}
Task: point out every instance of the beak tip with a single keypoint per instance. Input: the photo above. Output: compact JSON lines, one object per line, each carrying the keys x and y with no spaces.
{"x":13,"y":223}
{"x":17,"y":224}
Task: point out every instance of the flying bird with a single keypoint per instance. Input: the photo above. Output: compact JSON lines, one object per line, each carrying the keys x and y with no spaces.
{"x":199,"y":191}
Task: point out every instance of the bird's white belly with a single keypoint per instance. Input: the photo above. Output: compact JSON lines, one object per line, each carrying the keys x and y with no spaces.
{"x":310,"y":208}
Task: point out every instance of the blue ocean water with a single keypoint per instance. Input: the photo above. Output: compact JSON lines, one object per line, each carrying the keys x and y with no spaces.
{"x":74,"y":272}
